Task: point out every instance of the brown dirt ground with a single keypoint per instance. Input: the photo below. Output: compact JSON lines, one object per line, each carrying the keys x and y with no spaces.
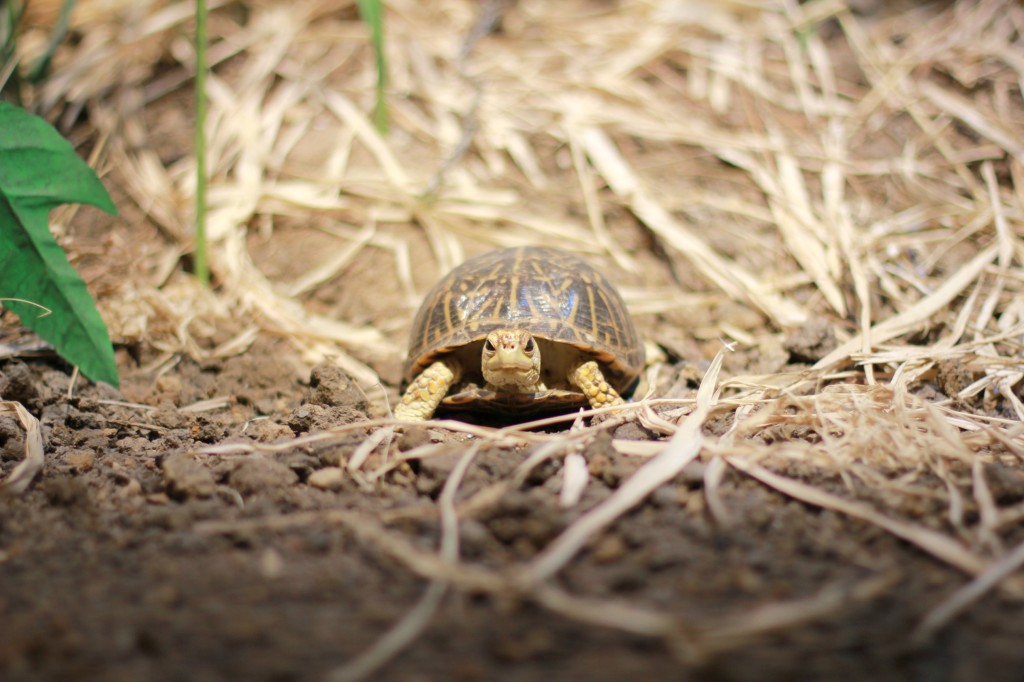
{"x":136,"y":556}
{"x":131,"y":560}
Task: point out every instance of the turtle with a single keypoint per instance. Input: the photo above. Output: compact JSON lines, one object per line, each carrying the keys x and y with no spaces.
{"x":519,"y":332}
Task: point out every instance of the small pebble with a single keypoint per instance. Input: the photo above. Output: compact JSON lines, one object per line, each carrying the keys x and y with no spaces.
{"x":82,"y":460}
{"x":633,"y":431}
{"x":413,"y":438}
{"x":169,"y":384}
{"x":132,"y":488}
{"x":598,"y":465}
{"x":609,"y":548}
{"x":329,"y":478}
{"x":271,"y":563}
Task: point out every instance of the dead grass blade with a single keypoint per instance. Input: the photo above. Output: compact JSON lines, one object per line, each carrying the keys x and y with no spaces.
{"x":807,"y":238}
{"x":918,"y":313}
{"x":605,"y":612}
{"x":938,"y":545}
{"x":940,"y":616}
{"x":719,"y":271}
{"x":415,"y":621}
{"x":964,"y":110}
{"x":741,"y":629}
{"x":19,"y":479}
{"x":682,"y":449}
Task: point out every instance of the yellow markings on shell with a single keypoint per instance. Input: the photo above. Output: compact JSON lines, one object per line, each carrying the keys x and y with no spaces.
{"x":593,"y":310}
{"x":513,"y":293}
{"x":448,"y":308}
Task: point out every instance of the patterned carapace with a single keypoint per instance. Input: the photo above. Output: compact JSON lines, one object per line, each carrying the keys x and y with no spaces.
{"x":556,"y":295}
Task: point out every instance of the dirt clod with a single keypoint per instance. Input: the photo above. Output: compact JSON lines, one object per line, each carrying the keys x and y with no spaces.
{"x":310,"y":418}
{"x":634,"y":431}
{"x":331,"y":386}
{"x":256,"y":474}
{"x":953,"y":377}
{"x":1005,"y":483}
{"x":12,"y":439}
{"x":265,"y":430}
{"x":66,"y":491}
{"x":17,"y":383}
{"x":186,"y":477}
{"x":812,"y":341}
{"x":413,"y":438}
{"x":433,"y":471}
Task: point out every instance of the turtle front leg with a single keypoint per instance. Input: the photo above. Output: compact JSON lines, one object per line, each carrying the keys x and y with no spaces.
{"x":426,"y":392}
{"x":589,"y":379}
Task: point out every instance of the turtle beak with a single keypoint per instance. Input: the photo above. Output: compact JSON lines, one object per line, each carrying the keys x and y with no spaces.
{"x":510,"y":360}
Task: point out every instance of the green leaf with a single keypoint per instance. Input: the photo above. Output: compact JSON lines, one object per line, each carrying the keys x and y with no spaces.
{"x":39,"y":171}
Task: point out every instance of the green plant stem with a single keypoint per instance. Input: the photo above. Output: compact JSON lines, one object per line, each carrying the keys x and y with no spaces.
{"x":202,"y":269}
{"x":372,"y":12}
{"x":60,"y":29}
{"x":10,"y":78}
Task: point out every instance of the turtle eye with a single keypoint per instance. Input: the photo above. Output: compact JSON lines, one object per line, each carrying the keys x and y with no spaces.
{"x":528,"y":347}
{"x":488,"y":346}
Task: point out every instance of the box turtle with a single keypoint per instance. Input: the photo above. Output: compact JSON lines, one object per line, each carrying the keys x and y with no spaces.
{"x":520,"y":332}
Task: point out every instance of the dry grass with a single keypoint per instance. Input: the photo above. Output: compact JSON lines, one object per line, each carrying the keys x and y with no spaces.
{"x":21,"y":476}
{"x":792,"y":162}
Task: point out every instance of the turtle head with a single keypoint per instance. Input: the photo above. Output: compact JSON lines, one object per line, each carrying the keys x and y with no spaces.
{"x":511,"y":360}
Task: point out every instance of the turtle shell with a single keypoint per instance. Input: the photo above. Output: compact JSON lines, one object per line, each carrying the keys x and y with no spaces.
{"x":555,"y":295}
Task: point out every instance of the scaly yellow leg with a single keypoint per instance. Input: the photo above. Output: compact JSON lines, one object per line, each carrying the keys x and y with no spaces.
{"x":589,"y":379}
{"x":426,"y":392}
